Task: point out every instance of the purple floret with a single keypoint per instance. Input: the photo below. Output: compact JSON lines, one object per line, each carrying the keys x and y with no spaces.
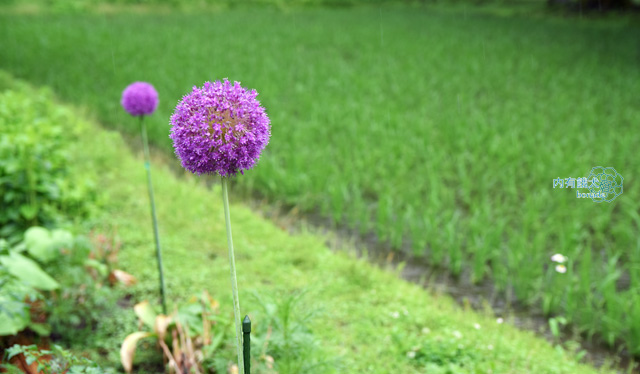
{"x":219,"y":129}
{"x":139,"y":98}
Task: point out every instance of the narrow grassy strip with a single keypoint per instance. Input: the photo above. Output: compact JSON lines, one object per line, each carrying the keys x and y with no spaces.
{"x":370,"y":321}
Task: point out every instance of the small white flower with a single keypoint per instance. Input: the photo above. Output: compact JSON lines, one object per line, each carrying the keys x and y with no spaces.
{"x":561,"y":269}
{"x":500,"y":321}
{"x":394,"y":314}
{"x":425,"y":330}
{"x":490,"y":347}
{"x":476,"y":326}
{"x":405,"y":312}
{"x":457,"y":334}
{"x":558,"y":258}
{"x":411,"y":354}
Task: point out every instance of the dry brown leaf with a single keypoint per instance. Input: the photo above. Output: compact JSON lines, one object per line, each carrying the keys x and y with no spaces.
{"x":233,"y":369}
{"x":128,"y":349}
{"x":145,"y":313}
{"x":119,"y":276}
{"x":177,"y":352}
{"x":161,"y":325}
{"x":269,"y":361}
{"x":213,"y":303}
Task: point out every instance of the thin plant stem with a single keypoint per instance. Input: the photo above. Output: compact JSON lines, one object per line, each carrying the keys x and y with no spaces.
{"x":234,"y":282}
{"x":147,"y":166}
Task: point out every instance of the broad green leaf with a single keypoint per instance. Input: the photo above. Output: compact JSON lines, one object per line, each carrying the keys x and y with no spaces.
{"x":45,"y":245}
{"x":41,"y":329}
{"x":29,"y":211}
{"x":61,"y":239}
{"x":13,"y":351}
{"x":28,"y":271}
{"x":145,"y":313}
{"x":128,"y":349}
{"x":39,"y":243}
{"x":20,"y":247}
{"x":12,"y":324}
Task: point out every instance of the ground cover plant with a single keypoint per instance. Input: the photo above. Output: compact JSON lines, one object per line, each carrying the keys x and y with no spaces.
{"x":54,"y":284}
{"x":50,"y":361}
{"x":316,"y":311}
{"x":439,"y":131}
{"x":39,"y":184}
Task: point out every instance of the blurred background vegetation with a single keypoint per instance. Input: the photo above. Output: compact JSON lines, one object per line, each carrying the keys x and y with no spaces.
{"x":434,"y":128}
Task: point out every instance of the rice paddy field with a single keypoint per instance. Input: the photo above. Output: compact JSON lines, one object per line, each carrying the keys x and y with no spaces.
{"x":439,"y":130}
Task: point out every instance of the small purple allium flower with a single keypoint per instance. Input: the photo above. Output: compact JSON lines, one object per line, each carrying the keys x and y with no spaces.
{"x":219,"y":129}
{"x":139,"y":98}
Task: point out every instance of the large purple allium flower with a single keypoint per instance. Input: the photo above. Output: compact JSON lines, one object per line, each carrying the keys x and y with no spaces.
{"x":139,"y":98}
{"x":219,"y":129}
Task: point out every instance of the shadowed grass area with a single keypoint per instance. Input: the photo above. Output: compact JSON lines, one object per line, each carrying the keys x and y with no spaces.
{"x":439,"y":130}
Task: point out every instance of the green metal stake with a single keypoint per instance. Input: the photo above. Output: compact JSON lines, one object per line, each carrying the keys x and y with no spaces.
{"x":147,"y":165}
{"x":246,"y":342}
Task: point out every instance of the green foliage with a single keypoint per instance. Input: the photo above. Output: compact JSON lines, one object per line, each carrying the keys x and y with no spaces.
{"x":445,"y":355}
{"x":61,"y":361}
{"x":44,"y":245}
{"x":84,"y":294}
{"x":440,"y":131}
{"x":592,"y":5}
{"x":555,"y":324}
{"x":38,"y":185}
{"x":285,"y":335}
{"x":28,"y":272}
{"x":14,"y":311}
{"x":21,"y":280}
{"x":47,"y":274}
{"x":359,"y":323}
{"x":77,"y":6}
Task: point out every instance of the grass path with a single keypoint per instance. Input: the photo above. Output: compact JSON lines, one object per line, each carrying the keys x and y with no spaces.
{"x":369,"y":320}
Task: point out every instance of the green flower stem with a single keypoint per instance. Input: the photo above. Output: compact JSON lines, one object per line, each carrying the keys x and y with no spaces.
{"x":234,"y":282}
{"x":147,"y":166}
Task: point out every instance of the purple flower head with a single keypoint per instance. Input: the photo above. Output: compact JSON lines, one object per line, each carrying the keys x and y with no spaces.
{"x":219,"y":129}
{"x":139,"y":98}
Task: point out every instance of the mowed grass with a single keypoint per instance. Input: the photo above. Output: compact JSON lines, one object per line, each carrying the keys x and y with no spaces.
{"x":365,"y":319}
{"x":441,"y":131}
